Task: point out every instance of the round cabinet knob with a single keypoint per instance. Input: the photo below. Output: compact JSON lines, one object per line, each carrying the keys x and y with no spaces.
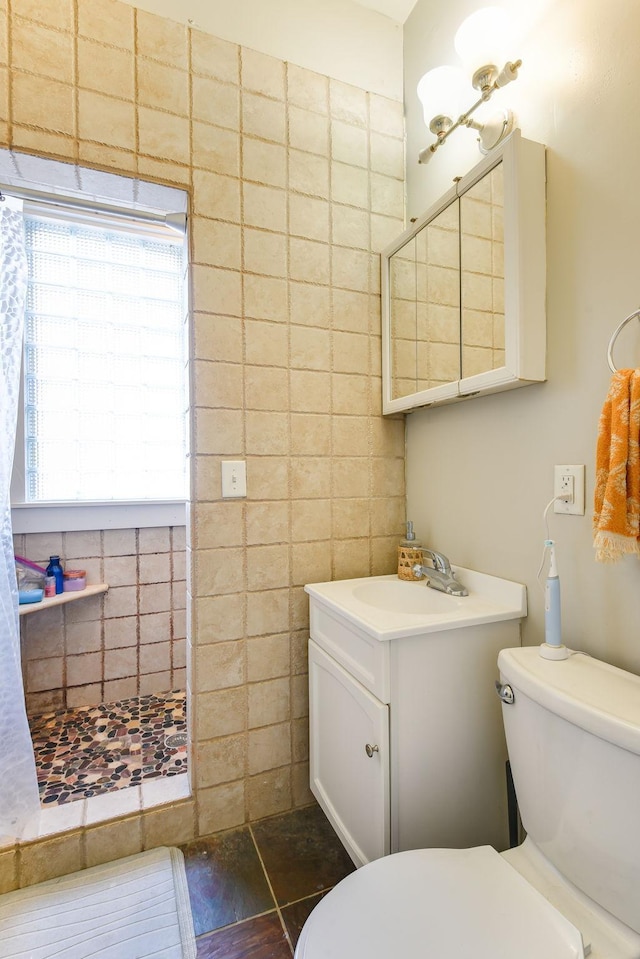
{"x":370,"y":750}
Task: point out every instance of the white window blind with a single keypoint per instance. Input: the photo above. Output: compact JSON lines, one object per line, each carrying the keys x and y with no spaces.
{"x":105,"y":371}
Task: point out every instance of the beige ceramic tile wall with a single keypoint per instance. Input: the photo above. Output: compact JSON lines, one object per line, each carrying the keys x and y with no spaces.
{"x":104,"y":648}
{"x":296,"y":184}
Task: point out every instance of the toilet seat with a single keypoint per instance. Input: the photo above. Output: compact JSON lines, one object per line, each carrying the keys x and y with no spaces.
{"x":438,"y":904}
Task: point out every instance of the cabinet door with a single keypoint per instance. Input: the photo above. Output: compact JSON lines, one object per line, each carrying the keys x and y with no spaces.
{"x":351,"y":786}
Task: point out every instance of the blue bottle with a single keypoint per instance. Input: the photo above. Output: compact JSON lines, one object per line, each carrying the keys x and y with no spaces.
{"x":55,"y":569}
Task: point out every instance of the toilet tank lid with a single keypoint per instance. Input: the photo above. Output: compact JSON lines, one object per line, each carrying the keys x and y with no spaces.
{"x":593,"y":695}
{"x":443,"y":903}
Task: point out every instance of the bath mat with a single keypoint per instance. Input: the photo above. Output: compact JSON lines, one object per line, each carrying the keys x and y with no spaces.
{"x":134,"y":908}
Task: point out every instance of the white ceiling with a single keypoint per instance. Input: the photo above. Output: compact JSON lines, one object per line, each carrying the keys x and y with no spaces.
{"x":397,"y":10}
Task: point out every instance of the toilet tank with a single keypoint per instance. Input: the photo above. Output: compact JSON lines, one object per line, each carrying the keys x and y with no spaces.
{"x":573,"y":736}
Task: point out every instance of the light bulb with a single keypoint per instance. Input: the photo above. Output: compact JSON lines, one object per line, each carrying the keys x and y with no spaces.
{"x":482,"y":39}
{"x":441,"y":92}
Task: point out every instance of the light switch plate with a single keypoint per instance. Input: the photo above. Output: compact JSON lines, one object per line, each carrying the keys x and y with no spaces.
{"x":234,"y":479}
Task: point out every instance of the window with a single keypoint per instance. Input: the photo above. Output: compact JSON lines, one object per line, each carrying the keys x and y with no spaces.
{"x":104,"y":373}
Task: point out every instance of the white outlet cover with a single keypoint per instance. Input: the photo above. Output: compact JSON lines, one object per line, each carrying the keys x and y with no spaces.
{"x":577,"y":473}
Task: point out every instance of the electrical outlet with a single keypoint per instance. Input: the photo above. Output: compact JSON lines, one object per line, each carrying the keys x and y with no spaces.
{"x":569,"y":483}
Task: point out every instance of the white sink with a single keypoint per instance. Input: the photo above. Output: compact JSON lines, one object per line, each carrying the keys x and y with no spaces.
{"x":386,"y":607}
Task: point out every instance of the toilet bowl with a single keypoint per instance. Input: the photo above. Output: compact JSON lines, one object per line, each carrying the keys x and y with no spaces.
{"x":572,"y":889}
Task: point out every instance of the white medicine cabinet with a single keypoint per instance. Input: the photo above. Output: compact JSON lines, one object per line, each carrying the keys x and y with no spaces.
{"x":463,"y":290}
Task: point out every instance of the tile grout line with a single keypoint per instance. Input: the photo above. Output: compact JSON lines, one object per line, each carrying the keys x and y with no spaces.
{"x":271,"y":890}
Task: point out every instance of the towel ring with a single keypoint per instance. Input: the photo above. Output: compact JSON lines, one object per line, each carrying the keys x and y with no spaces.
{"x":631,"y":316}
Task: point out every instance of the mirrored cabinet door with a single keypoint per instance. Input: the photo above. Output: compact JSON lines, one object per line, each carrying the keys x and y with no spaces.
{"x":463,"y":290}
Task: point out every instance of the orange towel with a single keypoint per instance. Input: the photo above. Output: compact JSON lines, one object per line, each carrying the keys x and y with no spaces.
{"x":616,"y":517}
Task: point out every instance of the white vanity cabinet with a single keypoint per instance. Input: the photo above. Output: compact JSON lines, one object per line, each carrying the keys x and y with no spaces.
{"x":406,"y":742}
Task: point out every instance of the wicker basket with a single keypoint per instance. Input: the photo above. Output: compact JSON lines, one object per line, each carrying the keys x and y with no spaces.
{"x":408,"y":556}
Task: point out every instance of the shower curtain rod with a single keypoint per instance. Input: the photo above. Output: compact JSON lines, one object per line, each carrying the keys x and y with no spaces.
{"x":175,"y":221}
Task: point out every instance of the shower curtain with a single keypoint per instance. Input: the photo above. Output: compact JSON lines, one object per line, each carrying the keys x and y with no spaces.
{"x":18,"y":783}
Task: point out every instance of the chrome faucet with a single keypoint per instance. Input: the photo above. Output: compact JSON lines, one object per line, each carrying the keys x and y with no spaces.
{"x":441,"y":576}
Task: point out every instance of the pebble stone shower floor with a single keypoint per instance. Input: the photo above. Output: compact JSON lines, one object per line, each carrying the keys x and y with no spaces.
{"x":92,"y":750}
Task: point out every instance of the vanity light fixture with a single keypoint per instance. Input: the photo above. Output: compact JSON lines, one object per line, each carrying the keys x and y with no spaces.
{"x":480,"y":43}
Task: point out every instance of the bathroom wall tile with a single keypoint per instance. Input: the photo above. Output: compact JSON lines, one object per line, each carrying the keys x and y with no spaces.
{"x":350,"y":477}
{"x":215,"y":148}
{"x":220,"y":618}
{"x":114,"y":841}
{"x":117,"y":689}
{"x":310,"y":565}
{"x":310,"y":477}
{"x":105,"y":20}
{"x":84,"y":669}
{"x":266,"y":388}
{"x":263,"y":162}
{"x":300,"y":684}
{"x":267,"y":657}
{"x":44,"y":674}
{"x":267,"y":612}
{"x":218,"y":571}
{"x":215,"y":431}
{"x":219,"y":666}
{"x":41,"y":50}
{"x":301,"y":793}
{"x":216,"y":196}
{"x":216,"y":243}
{"x":162,"y":87}
{"x":82,"y":544}
{"x":307,"y":89}
{"x":264,"y":206}
{"x":41,"y":102}
{"x":310,"y":520}
{"x":154,"y":568}
{"x":161,"y":134}
{"x":308,"y":131}
{"x":310,"y":349}
{"x":309,"y":217}
{"x":218,"y":524}
{"x":267,"y":344}
{"x":269,"y":793}
{"x":265,"y":298}
{"x":119,"y":542}
{"x":387,"y":155}
{"x":213,"y":57}
{"x":58,"y":15}
{"x":310,"y":434}
{"x":350,"y":352}
{"x":266,"y":433}
{"x":266,"y":523}
{"x":384,"y":229}
{"x":350,"y":227}
{"x":265,"y":252}
{"x":351,"y":310}
{"x":350,"y":393}
{"x":120,"y":632}
{"x":349,"y":144}
{"x":269,"y":748}
{"x":350,"y":185}
{"x":168,"y":827}
{"x":120,"y":570}
{"x":348,"y":103}
{"x":88,"y":695}
{"x":27,"y":139}
{"x":155,"y":658}
{"x":221,"y":713}
{"x":350,"y":435}
{"x":220,"y":808}
{"x":220,"y":760}
{"x":218,"y":291}
{"x":387,"y":195}
{"x":215,"y":102}
{"x":386,"y":116}
{"x":263,"y":74}
{"x":106,"y":120}
{"x":40,"y":861}
{"x":162,"y":39}
{"x":267,"y":567}
{"x":121,"y":601}
{"x":264,"y":118}
{"x":106,"y":69}
{"x":218,"y":337}
{"x":308,"y":174}
{"x":308,"y":261}
{"x":310,"y":391}
{"x":8,"y":871}
{"x":310,"y":305}
{"x":154,"y":598}
{"x":119,"y":663}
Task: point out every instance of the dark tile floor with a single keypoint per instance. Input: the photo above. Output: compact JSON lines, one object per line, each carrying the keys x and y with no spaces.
{"x":91,"y":750}
{"x":252,"y":889}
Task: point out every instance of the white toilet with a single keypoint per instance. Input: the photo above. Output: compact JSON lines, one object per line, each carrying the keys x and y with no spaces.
{"x":572,"y":889}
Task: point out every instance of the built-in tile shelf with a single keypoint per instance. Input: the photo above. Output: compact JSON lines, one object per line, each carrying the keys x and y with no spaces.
{"x":62,"y":598}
